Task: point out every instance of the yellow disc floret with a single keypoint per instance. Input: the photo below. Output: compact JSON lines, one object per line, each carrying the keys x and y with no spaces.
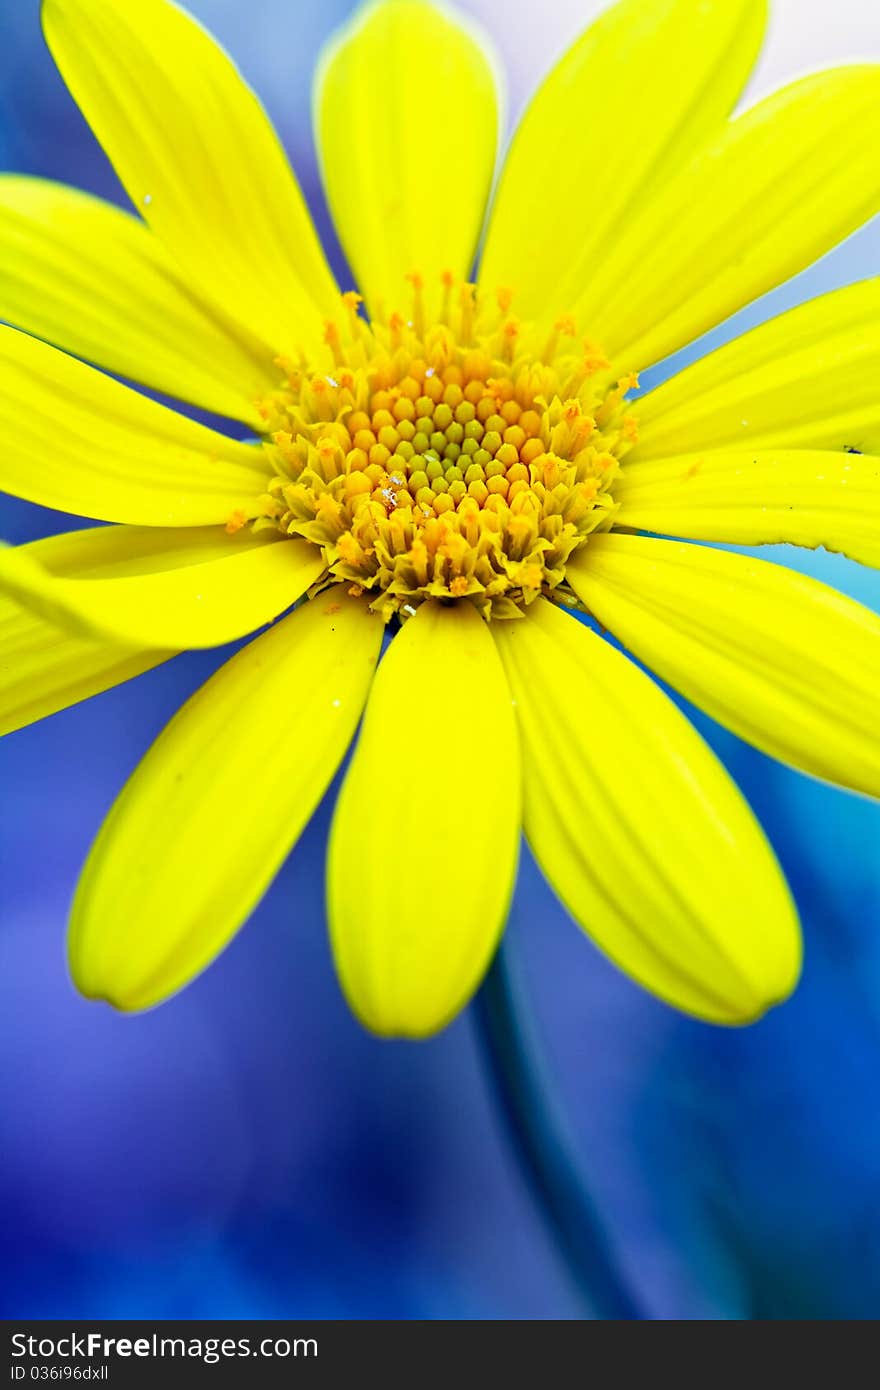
{"x":437,"y":457}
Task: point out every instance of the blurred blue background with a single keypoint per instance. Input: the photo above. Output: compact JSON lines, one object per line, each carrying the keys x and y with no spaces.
{"x":247,"y":1151}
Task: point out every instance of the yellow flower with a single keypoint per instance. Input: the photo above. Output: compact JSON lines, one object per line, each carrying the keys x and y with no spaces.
{"x":461,"y":461}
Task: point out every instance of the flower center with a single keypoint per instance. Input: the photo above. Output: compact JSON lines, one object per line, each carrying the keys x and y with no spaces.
{"x":443,"y":457}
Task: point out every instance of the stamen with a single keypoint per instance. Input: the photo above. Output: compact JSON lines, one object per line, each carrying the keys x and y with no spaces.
{"x":333,"y":340}
{"x":467,"y":312}
{"x":438,"y":459}
{"x":418,"y":317}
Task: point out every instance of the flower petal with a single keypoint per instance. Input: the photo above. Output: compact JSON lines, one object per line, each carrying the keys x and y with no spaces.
{"x":44,"y":669}
{"x":206,"y":820}
{"x":74,"y":439}
{"x":95,"y":281}
{"x":779,"y":187}
{"x":784,"y":661}
{"x":146,"y":586}
{"x":406,"y":118}
{"x":641,"y":831}
{"x":630,"y":102}
{"x":198,"y":158}
{"x":423,"y":849}
{"x":803,"y":497}
{"x":805,"y":380}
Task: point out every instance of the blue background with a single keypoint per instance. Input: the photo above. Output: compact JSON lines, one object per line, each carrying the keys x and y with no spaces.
{"x":247,"y":1151}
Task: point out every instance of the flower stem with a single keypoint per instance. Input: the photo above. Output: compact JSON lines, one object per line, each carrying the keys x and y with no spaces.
{"x":539,"y":1136}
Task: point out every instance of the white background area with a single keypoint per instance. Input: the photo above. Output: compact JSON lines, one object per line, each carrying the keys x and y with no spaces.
{"x":803,"y":35}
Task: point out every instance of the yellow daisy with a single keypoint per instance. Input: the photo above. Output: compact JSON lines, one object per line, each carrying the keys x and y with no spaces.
{"x":457,"y":464}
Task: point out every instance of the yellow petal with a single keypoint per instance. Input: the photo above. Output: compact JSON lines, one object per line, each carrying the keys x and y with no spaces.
{"x":147,"y":586}
{"x":74,"y":439}
{"x":641,"y":831}
{"x":94,"y":280}
{"x":44,"y":669}
{"x":407,"y":125}
{"x":205,"y":822}
{"x":784,"y":661}
{"x":779,"y":187}
{"x":805,"y":380}
{"x":424,"y":842}
{"x":198,"y":158}
{"x":629,"y":103}
{"x":801,"y":496}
